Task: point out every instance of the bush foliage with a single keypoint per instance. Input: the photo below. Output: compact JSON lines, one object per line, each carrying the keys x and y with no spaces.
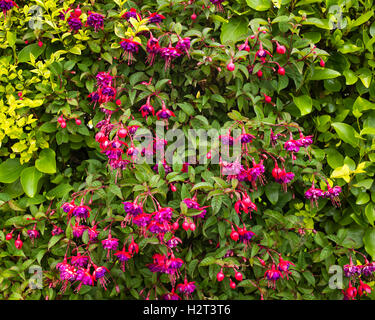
{"x":48,"y":80}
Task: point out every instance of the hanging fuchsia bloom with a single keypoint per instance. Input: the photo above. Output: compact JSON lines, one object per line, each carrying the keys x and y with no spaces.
{"x":314,"y":194}
{"x":106,"y":94}
{"x":245,"y":205}
{"x":79,"y":260}
{"x":33,"y":234}
{"x":56,"y":231}
{"x":350,"y":293}
{"x":123,"y":256}
{"x":168,"y":54}
{"x":110,"y":244}
{"x":74,"y":21}
{"x":68,"y":207}
{"x":81,"y":212}
{"x":99,"y":275}
{"x":171,"y":296}
{"x":130,"y":47}
{"x":173,"y":242}
{"x":6,"y":5}
{"x":245,"y":235}
{"x":104,"y":79}
{"x":186,"y":288}
{"x":363,"y":288}
{"x":132,"y":208}
{"x":333,"y":194}
{"x":304,"y":141}
{"x":164,"y":113}
{"x":85,"y":278}
{"x":146,"y":110}
{"x":152,"y":48}
{"x":256,"y":172}
{"x":281,"y":176}
{"x":262,"y":54}
{"x":155,"y":18}
{"x":284,"y":265}
{"x":93,"y":233}
{"x":95,"y":20}
{"x":292,"y":145}
{"x":183,"y":44}
{"x":247,"y":138}
{"x":218,"y":4}
{"x":78,"y":230}
{"x":131,"y":14}
{"x":273,"y":275}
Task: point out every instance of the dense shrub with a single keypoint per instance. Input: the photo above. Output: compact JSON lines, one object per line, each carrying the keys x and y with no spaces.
{"x":82,"y":81}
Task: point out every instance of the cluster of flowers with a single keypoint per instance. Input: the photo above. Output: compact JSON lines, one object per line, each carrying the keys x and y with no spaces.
{"x":105,"y":92}
{"x":277,"y":272}
{"x":353,"y":271}
{"x":313,"y":194}
{"x":294,"y":145}
{"x":237,"y":275}
{"x":78,"y":271}
{"x":72,"y":16}
{"x":6,"y":5}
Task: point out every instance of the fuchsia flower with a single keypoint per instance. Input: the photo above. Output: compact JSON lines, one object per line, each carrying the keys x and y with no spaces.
{"x":164,"y":113}
{"x":110,"y":243}
{"x":146,"y":110}
{"x":350,"y":293}
{"x":171,"y":296}
{"x":284,"y":265}
{"x":155,"y":18}
{"x":99,"y":275}
{"x":81,"y":212}
{"x":131,"y":14}
{"x":78,"y":230}
{"x":79,"y":260}
{"x":272,"y":276}
{"x":130,"y":47}
{"x":6,"y":5}
{"x":95,"y":20}
{"x":183,"y":45}
{"x":363,"y":288}
{"x":33,"y":234}
{"x":218,"y":4}
{"x":186,"y":288}
{"x":245,"y":205}
{"x":168,"y":54}
{"x":74,"y":21}
{"x":123,"y":256}
{"x":104,"y":79}
{"x":153,"y":48}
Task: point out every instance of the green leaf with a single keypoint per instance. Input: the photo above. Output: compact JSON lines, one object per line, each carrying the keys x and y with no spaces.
{"x":54,"y":240}
{"x":207,"y":261}
{"x":11,"y":38}
{"x":46,"y":162}
{"x":259,"y":5}
{"x":34,"y":49}
{"x":60,"y":191}
{"x":233,"y":31}
{"x":324,"y":73}
{"x":370,"y":213}
{"x":201,"y":185}
{"x":29,"y":180}
{"x":272,"y":192}
{"x":309,"y":277}
{"x":304,"y":104}
{"x":346,"y":133}
{"x":369,"y":241}
{"x":10,"y":170}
